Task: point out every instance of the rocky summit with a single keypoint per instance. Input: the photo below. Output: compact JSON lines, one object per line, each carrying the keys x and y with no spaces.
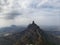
{"x":31,"y":36}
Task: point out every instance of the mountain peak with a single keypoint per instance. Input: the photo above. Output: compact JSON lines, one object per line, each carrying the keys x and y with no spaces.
{"x":32,"y":35}
{"x":33,"y":25}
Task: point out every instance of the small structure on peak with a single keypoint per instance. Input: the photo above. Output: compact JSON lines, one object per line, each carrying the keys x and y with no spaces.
{"x":33,"y":22}
{"x":33,"y":25}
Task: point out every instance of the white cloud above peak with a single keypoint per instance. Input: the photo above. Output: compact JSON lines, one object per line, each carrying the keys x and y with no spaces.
{"x":24,"y":11}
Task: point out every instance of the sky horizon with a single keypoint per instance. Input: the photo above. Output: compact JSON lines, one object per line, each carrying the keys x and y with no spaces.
{"x":23,"y":12}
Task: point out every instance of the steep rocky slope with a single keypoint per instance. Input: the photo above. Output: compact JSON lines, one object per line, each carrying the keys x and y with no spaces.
{"x":32,"y":35}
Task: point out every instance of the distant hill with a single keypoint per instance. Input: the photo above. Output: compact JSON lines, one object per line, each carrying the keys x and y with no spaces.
{"x":32,"y":35}
{"x":12,"y":29}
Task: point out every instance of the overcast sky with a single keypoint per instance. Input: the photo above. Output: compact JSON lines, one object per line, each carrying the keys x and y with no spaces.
{"x":23,"y":12}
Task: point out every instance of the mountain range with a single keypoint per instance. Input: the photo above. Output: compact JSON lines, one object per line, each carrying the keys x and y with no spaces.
{"x":32,"y":35}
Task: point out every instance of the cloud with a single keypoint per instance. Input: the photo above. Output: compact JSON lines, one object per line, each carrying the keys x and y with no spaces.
{"x":48,"y":4}
{"x":23,"y":12}
{"x":36,"y":4}
{"x":12,"y":14}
